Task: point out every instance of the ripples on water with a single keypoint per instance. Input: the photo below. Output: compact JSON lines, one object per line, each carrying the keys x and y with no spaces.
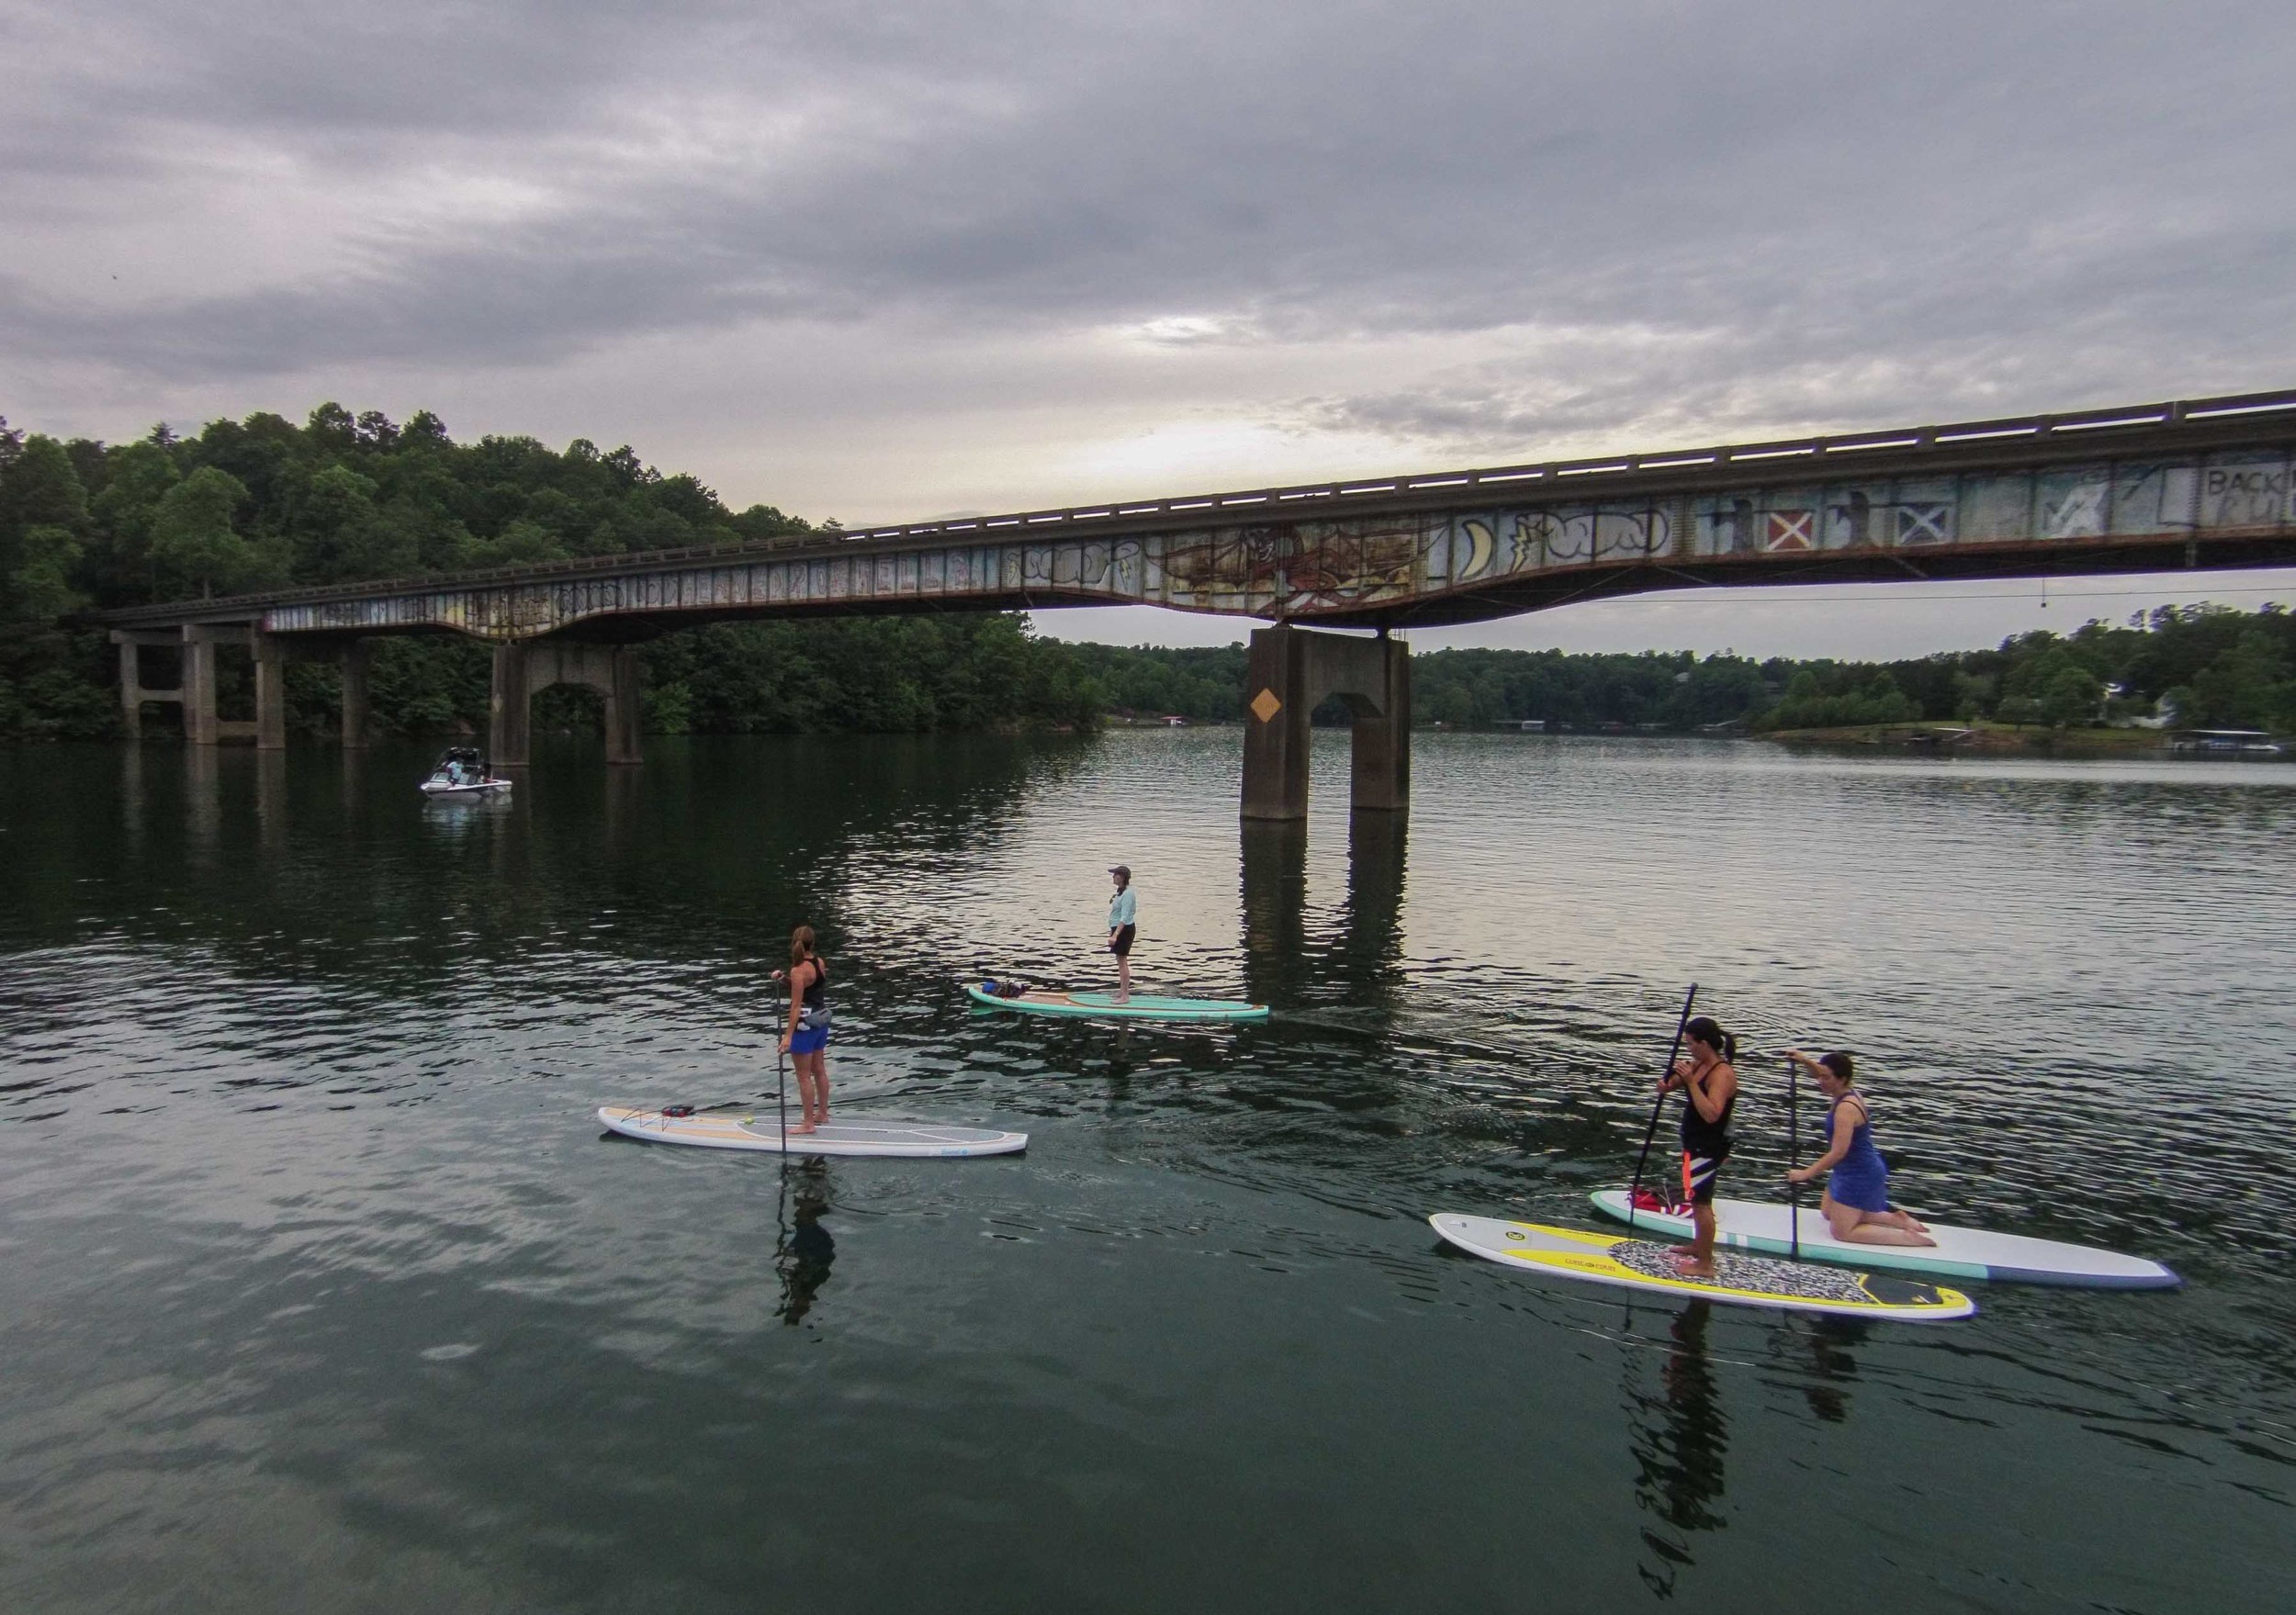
{"x":318,"y":1291}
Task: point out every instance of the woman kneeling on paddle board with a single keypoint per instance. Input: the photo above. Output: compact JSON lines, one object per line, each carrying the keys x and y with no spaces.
{"x":806,"y":1038}
{"x":1857,"y":1194}
{"x":1709,"y":1085}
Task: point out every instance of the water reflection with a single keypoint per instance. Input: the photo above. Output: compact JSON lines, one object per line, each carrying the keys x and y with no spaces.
{"x":328,"y":1056}
{"x":1832,"y":1365}
{"x":805,"y":1250}
{"x":1371,"y":935}
{"x":1678,"y":1435}
{"x":1274,"y":884}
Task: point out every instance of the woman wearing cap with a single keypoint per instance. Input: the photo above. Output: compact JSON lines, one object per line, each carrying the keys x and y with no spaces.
{"x":1124,"y":909}
{"x":1856,"y":1203}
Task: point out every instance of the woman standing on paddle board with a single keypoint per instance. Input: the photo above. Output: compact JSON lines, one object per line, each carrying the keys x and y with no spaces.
{"x":1123,"y":909}
{"x":1857,"y":1193}
{"x":1709,"y":1085}
{"x":805,"y":1040}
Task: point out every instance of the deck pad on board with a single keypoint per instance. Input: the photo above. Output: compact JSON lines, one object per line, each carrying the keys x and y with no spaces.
{"x":1141,"y":1006}
{"x":761,"y":1131}
{"x":1959,"y":1254}
{"x":1622,"y":1263}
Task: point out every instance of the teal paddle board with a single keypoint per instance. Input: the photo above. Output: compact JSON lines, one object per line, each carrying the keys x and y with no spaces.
{"x":1103,"y":1006}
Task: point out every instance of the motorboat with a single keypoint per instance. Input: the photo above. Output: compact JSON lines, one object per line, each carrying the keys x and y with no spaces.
{"x":463,"y":775}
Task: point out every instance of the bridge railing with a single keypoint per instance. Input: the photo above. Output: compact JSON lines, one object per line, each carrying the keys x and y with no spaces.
{"x":1302,"y":496}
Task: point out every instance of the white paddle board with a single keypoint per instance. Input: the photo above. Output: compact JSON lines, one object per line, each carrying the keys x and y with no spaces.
{"x":1959,"y":1254}
{"x":1140,"y":1006}
{"x":1627,"y":1264}
{"x":731,"y":1129}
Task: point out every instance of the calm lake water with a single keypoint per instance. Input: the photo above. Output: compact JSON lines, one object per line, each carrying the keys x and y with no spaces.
{"x":321,"y":1290}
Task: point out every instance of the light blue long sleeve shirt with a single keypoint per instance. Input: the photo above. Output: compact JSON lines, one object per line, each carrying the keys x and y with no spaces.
{"x":1121,"y":907}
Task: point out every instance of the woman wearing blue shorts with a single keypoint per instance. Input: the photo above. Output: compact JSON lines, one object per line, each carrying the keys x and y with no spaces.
{"x":1857,"y":1193}
{"x":806,"y":1038}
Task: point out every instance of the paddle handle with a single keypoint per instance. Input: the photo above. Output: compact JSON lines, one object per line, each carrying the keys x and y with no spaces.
{"x":1681,"y":1023}
{"x":1794,"y":1153}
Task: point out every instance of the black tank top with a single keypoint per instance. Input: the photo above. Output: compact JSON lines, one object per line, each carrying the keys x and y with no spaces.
{"x":1701,"y":1137}
{"x":816,"y":994}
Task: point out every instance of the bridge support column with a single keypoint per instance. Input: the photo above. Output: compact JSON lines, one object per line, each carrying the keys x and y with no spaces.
{"x":200,"y":727}
{"x":509,"y":725}
{"x":623,"y":716}
{"x":131,"y":685}
{"x":522,"y":669}
{"x":270,"y":658}
{"x":355,"y":665}
{"x":134,"y":692}
{"x":1291,"y":671}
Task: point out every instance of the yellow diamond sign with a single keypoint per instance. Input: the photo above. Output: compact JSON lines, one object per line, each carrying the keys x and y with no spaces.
{"x":1265,"y":706}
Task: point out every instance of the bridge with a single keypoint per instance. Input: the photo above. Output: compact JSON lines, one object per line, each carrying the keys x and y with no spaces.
{"x":2202,"y":482}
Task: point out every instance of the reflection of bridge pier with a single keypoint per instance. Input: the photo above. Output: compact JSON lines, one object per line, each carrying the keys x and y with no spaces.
{"x":1292,"y":670}
{"x":1275,"y":906}
{"x":525,"y":667}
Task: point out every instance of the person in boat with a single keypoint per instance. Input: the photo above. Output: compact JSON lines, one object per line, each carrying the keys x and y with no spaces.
{"x":1709,"y":1085}
{"x":1123,"y":915}
{"x":454,"y":771}
{"x":1856,"y":1203}
{"x":805,"y":1040}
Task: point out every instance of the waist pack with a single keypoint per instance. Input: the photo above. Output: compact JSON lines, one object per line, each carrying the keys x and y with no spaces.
{"x":810,"y":1019}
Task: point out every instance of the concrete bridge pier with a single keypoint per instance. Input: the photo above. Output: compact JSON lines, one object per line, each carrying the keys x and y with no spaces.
{"x":201,"y":726}
{"x":271,"y":659}
{"x":354,"y":662}
{"x":523,"y":668}
{"x":133,"y":691}
{"x":1290,"y":672}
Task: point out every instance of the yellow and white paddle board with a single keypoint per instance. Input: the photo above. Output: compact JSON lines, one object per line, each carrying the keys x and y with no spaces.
{"x":1627,"y":1264}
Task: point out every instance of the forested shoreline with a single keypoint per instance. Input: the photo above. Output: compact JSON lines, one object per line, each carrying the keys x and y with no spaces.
{"x":263,"y":503}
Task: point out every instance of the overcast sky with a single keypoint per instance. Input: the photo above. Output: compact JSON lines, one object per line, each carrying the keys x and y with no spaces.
{"x":897,"y":263}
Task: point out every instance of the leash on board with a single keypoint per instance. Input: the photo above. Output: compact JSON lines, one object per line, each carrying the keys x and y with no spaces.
{"x":1681,"y":1024}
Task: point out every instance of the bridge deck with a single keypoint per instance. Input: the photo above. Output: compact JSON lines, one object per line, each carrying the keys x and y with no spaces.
{"x":2203,"y":482}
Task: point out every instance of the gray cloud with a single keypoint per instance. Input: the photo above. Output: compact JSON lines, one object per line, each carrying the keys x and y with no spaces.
{"x":1769,"y":213}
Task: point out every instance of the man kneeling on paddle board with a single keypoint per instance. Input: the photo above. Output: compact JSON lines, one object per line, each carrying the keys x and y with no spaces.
{"x":1857,"y":1193}
{"x":1709,"y":1085}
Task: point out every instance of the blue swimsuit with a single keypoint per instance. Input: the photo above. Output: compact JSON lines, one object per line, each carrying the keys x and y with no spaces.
{"x":1861,"y":1178}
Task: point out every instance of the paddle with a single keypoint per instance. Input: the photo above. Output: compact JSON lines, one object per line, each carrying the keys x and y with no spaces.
{"x":780,"y":1063}
{"x":1794,"y":1152}
{"x":1681,"y":1023}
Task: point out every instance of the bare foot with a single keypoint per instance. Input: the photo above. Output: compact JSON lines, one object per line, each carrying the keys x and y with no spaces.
{"x":1691,"y":1268}
{"x":801,"y":1127}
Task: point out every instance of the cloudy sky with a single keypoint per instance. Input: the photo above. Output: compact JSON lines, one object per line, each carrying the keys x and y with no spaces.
{"x":898,"y":263}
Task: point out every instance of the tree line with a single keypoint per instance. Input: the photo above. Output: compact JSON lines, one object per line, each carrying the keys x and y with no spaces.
{"x":2205,"y":665}
{"x":262,"y":503}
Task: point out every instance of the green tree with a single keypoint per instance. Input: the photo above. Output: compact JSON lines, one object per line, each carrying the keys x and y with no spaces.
{"x":2072,"y":696}
{"x":40,"y":591}
{"x":194,"y":547}
{"x":2245,"y":687}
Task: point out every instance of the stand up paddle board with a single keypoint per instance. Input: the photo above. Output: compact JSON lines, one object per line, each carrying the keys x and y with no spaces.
{"x":731,"y":1131}
{"x":1959,"y":1254}
{"x":1141,"y":1006}
{"x":1744,"y":1280}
